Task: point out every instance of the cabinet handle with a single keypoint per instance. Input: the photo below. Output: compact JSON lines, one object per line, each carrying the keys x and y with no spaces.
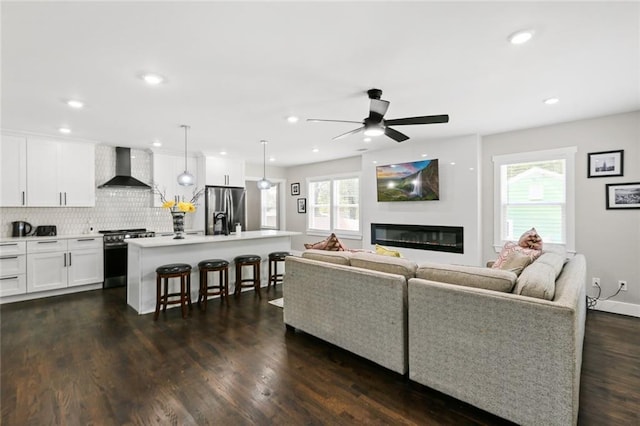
{"x":65,"y":198}
{"x":8,"y":244}
{"x":86,"y":239}
{"x":60,"y":193}
{"x":69,"y":258}
{"x":23,"y":200}
{"x":65,"y":259}
{"x":48,"y":242}
{"x":9,"y":257}
{"x":9,"y":278}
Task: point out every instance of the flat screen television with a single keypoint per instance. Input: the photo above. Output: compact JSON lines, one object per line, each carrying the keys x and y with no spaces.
{"x":416,"y":181}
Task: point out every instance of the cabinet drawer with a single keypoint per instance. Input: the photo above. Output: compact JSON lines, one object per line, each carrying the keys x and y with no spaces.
{"x":13,"y":265}
{"x":89,"y":242}
{"x":46,"y":246}
{"x":18,"y":247}
{"x":15,"y":284}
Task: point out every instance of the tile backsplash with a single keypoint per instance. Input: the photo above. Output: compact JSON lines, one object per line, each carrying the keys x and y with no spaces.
{"x":116,"y":208}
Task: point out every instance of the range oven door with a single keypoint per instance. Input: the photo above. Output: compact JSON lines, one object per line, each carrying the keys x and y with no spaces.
{"x":115,"y":265}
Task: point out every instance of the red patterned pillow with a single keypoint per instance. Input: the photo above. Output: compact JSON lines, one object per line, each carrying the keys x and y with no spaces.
{"x":331,"y":243}
{"x":531,"y":239}
{"x":509,"y":248}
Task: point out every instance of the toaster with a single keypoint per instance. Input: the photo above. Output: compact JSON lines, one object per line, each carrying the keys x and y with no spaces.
{"x":46,"y":231}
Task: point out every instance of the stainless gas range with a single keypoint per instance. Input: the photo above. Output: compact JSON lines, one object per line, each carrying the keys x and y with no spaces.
{"x":115,"y":254}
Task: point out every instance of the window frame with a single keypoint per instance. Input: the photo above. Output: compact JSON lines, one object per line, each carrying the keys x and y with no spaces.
{"x":568,"y":154}
{"x":333,"y":207}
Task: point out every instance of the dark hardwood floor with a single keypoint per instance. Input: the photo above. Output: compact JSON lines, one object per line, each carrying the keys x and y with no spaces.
{"x":89,"y":359}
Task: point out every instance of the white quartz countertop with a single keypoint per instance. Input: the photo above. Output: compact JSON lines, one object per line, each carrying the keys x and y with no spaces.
{"x":57,"y":237}
{"x":169,"y":241}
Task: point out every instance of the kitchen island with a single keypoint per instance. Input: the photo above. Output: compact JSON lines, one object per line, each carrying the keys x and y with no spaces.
{"x":146,"y":254}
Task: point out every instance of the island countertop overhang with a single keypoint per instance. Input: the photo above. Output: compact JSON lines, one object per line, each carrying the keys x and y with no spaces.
{"x":169,"y":241}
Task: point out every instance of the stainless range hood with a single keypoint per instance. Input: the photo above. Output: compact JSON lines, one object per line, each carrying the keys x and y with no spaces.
{"x":123,"y":178}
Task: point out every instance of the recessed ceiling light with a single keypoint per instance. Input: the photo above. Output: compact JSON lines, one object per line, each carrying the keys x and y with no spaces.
{"x":425,"y":155}
{"x":272,"y":159}
{"x":551,"y":101}
{"x":64,"y":130}
{"x":315,"y":150}
{"x":73,"y":103}
{"x":367,"y":140}
{"x":292,"y":119}
{"x":374,"y":162}
{"x":452,"y":163}
{"x":156,"y":143}
{"x":152,"y":79}
{"x":223,"y":152}
{"x":520,"y":37}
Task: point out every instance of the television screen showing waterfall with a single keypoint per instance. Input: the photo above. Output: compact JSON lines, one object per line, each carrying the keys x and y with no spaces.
{"x":416,"y":181}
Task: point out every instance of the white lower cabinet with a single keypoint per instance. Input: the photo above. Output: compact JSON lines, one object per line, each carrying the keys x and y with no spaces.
{"x":13,"y":268}
{"x":55,"y":264}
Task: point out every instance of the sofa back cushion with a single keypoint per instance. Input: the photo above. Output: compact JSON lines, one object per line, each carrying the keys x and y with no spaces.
{"x":537,"y":280}
{"x":337,"y":257}
{"x":378,"y":262}
{"x":469,"y":276}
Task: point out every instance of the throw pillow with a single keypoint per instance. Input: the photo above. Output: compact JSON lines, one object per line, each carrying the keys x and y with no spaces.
{"x":387,"y":252}
{"x":510,"y":247}
{"x":331,"y":243}
{"x":531,"y":239}
{"x":320,"y":245}
{"x":516,"y":261}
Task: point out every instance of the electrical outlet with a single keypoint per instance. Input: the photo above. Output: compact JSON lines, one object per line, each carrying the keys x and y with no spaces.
{"x":622,"y":285}
{"x":595,"y":282}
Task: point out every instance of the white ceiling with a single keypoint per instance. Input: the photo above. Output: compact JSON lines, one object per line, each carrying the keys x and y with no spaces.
{"x":236,"y":70}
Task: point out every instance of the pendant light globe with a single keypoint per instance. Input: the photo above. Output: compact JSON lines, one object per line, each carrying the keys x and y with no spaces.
{"x":185,"y":178}
{"x":264,"y":184}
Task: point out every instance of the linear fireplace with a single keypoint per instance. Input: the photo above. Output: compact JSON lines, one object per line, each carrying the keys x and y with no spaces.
{"x":421,"y":237}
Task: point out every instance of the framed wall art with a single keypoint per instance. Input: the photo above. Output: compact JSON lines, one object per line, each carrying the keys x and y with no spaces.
{"x":295,"y":188}
{"x":623,"y":196}
{"x":302,"y":205}
{"x":605,"y":164}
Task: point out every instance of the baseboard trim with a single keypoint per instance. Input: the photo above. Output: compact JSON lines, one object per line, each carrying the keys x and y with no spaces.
{"x":618,"y":308}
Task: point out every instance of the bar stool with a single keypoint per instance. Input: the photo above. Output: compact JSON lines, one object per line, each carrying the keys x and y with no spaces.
{"x":222,"y":288}
{"x":252,"y":260}
{"x":274,"y":276}
{"x":174,"y":270}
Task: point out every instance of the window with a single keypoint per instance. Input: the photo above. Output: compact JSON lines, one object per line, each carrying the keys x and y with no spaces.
{"x":535,"y":189}
{"x":269,"y":217}
{"x":334,"y":204}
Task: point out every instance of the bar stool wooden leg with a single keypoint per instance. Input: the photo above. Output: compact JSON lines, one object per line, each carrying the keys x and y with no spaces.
{"x":158,"y":296}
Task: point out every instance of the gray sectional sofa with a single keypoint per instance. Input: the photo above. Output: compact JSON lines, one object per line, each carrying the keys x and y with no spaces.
{"x":460,"y":330}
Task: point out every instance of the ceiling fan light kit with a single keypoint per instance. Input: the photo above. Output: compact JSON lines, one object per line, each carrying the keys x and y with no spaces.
{"x":185,"y":178}
{"x":376,"y":125}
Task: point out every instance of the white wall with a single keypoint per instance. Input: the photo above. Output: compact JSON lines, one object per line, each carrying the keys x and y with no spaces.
{"x":610,"y":239}
{"x":459,"y":195}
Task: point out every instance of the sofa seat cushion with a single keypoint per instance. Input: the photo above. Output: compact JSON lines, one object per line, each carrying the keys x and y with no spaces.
{"x":381,"y":263}
{"x":469,"y":276}
{"x":337,"y":257}
{"x":538,"y":280}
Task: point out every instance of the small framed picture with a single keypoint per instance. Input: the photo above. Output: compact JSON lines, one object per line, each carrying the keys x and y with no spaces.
{"x":605,"y":164}
{"x":302,"y":205}
{"x":295,"y":188}
{"x":623,"y":195}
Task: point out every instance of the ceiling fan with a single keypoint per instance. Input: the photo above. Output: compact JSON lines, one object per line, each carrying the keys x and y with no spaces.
{"x":376,"y":125}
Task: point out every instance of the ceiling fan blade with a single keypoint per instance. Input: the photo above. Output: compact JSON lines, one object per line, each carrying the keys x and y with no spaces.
{"x":427,"y":119}
{"x":333,"y":121}
{"x":395,"y":135}
{"x":348,"y":133}
{"x":377,"y":109}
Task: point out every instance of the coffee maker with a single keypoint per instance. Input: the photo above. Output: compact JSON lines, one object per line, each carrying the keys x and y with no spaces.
{"x":21,"y":228}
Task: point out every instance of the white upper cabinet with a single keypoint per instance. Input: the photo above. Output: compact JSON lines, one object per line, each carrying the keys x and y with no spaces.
{"x":224,"y":172}
{"x":60,"y":173}
{"x":166,"y":169}
{"x":13,"y":171}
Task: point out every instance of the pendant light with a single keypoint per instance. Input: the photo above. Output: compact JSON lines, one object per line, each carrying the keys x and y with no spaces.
{"x":185,"y":178}
{"x":264,"y":183}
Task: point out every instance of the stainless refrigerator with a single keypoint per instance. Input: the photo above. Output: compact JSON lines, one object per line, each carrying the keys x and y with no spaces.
{"x":225,"y":206}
